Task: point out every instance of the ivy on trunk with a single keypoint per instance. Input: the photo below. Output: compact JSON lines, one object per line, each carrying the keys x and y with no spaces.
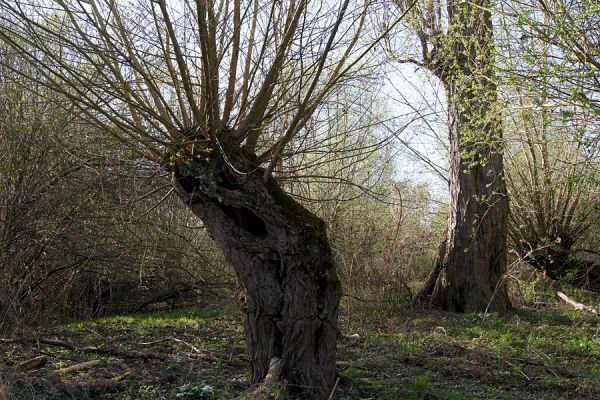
{"x":471,"y":262}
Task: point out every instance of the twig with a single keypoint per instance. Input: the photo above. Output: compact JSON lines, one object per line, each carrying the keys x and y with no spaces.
{"x":344,"y":364}
{"x":551,"y":370}
{"x":515,"y":367}
{"x":334,"y":387}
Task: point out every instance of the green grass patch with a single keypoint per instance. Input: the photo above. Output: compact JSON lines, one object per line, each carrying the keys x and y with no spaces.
{"x":528,"y":354}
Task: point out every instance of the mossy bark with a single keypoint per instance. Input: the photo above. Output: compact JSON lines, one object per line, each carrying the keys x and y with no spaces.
{"x":282,"y":259}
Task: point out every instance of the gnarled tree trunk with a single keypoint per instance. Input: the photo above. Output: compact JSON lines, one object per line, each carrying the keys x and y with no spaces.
{"x":282,"y":259}
{"x":468,"y":274}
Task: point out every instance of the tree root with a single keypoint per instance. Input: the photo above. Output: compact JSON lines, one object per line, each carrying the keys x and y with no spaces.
{"x":268,"y":389}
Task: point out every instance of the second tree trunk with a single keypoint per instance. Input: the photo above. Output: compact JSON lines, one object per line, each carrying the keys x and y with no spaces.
{"x":471,"y":263}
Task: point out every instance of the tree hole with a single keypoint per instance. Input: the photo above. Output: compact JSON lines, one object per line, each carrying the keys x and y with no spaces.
{"x":245,"y":219}
{"x":189,"y":183}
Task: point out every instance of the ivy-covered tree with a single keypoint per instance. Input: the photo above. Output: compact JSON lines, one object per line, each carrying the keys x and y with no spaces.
{"x":456,"y":41}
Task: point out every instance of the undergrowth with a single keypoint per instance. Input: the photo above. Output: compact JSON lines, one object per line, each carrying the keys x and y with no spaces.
{"x":530,"y":353}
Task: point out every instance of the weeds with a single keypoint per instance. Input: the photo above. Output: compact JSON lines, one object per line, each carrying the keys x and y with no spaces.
{"x":530,"y":354}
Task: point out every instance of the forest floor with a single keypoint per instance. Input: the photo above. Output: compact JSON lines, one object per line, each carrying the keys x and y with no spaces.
{"x":531,"y":353}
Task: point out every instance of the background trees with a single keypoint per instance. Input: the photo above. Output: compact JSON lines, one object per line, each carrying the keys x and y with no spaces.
{"x":550,"y":76}
{"x":107,"y":246}
{"x":217,"y":94}
{"x":543,"y":75}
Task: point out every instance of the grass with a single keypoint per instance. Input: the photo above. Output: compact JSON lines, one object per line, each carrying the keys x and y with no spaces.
{"x":528,"y":354}
{"x":553,"y":353}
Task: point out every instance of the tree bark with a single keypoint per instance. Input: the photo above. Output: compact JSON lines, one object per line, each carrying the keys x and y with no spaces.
{"x":282,"y":259}
{"x":474,"y":259}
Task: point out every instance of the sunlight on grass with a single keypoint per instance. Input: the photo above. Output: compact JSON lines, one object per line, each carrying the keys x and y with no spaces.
{"x":146,"y":323}
{"x":528,"y":354}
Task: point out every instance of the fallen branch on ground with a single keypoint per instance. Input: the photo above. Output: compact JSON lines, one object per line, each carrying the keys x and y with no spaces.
{"x":204,"y":354}
{"x":174,"y":339}
{"x":34,"y":363}
{"x":122,"y":377}
{"x":99,"y":350}
{"x":78,"y":367}
{"x":576,"y":304}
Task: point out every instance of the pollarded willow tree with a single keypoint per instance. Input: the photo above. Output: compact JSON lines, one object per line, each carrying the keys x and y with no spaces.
{"x":218,"y":93}
{"x":457,"y":45}
{"x":550,"y":73}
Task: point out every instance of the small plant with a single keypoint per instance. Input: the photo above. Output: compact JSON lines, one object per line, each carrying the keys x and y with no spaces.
{"x":595,"y":373}
{"x":350,"y":373}
{"x":420,"y":384}
{"x":553,"y":383}
{"x":409,"y":349}
{"x":147,"y":392}
{"x":174,"y":368}
{"x":196,"y":390}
